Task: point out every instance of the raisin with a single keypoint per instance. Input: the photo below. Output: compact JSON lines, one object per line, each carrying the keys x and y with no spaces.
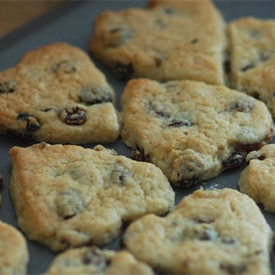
{"x":250,"y":147}
{"x":66,"y":66}
{"x":139,"y":155}
{"x":123,"y":71}
{"x":203,"y":220}
{"x":227,"y":66}
{"x":234,"y":268}
{"x":179,"y":123}
{"x":242,"y":106}
{"x":228,"y":240}
{"x":169,"y":11}
{"x":208,"y":234}
{"x":247,"y":67}
{"x":7,"y":87}
{"x":235,"y":160}
{"x":264,"y":56}
{"x":160,"y":110}
{"x":32,"y":123}
{"x":95,"y":95}
{"x":118,"y":36}
{"x":194,"y":41}
{"x":92,"y":257}
{"x":73,"y":116}
{"x":119,"y":174}
{"x":187,"y":182}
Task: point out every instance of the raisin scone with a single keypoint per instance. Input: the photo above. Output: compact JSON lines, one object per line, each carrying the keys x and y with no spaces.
{"x":209,"y":232}
{"x":170,"y":40}
{"x":92,"y":260}
{"x":56,"y":94}
{"x":14,"y":255}
{"x":67,"y":196}
{"x":257,"y":179}
{"x":190,"y":130}
{"x":252,"y":46}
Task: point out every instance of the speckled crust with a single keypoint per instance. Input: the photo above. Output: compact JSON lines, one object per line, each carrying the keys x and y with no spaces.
{"x":14,"y":255}
{"x":170,"y":40}
{"x":92,"y":260}
{"x":56,"y":94}
{"x":190,"y":130}
{"x":252,"y":44}
{"x":257,"y":179}
{"x":209,"y":232}
{"x":67,"y":196}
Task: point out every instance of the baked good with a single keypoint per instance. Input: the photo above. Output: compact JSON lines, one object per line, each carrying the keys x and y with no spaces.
{"x":190,"y":130}
{"x":56,"y":94}
{"x":257,"y":179}
{"x":170,"y":40}
{"x":252,"y":43}
{"x":68,"y":196}
{"x":209,"y":232}
{"x":92,"y":260}
{"x":14,"y":254}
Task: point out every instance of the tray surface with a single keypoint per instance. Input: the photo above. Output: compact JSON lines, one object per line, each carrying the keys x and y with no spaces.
{"x":72,"y":23}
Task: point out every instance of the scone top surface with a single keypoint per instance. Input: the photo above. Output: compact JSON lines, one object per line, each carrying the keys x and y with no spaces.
{"x":257,"y":179}
{"x":191,"y":130}
{"x":14,"y":254}
{"x":209,"y":232}
{"x":92,"y":260}
{"x":84,"y":195}
{"x":170,"y":40}
{"x":56,"y":94}
{"x":252,"y":45}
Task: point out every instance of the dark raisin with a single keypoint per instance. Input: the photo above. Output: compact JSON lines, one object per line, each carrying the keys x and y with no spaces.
{"x":234,"y":268}
{"x":228,"y":240}
{"x":261,"y":158}
{"x":139,"y":155}
{"x":46,"y":110}
{"x":7,"y":87}
{"x":119,"y":174}
{"x":32,"y":123}
{"x":208,"y":234}
{"x":158,"y":61}
{"x":242,"y":106}
{"x":235,"y":160}
{"x":160,"y":110}
{"x":264,"y":56}
{"x":73,"y":116}
{"x":187,"y":182}
{"x":247,"y":67}
{"x":168,"y":11}
{"x":160,"y":25}
{"x":194,"y":41}
{"x":250,"y":147}
{"x":66,"y":66}
{"x":227,"y":66}
{"x":92,"y":257}
{"x":123,"y":71}
{"x":95,"y":95}
{"x":118,"y":35}
{"x":179,"y":123}
{"x":203,"y":220}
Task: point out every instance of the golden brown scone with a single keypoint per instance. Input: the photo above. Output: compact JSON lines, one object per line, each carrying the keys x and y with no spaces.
{"x":56,"y":94}
{"x":92,"y":260}
{"x":190,"y":130}
{"x":257,"y":179}
{"x":209,"y":232}
{"x":252,"y":45}
{"x":68,"y":196}
{"x":170,"y":40}
{"x":14,"y":255}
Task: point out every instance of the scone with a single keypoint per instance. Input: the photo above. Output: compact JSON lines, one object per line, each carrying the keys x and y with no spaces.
{"x":56,"y":94}
{"x":209,"y":232}
{"x":14,"y":255}
{"x":190,"y":130}
{"x":257,"y":179}
{"x":252,"y":46}
{"x":68,"y":196}
{"x":92,"y":260}
{"x":170,"y":40}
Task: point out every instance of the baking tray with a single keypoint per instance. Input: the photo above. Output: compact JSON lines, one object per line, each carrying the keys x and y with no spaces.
{"x":72,"y":22}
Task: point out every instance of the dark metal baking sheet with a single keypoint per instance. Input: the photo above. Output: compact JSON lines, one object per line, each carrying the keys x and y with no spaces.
{"x":72,"y":22}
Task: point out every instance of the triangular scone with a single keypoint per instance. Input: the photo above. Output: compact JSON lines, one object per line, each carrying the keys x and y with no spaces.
{"x":92,"y":260}
{"x":67,"y":196}
{"x":14,"y":255}
{"x":252,"y":46}
{"x":209,"y":232}
{"x":257,"y":179}
{"x":56,"y":94}
{"x":190,"y":130}
{"x":170,"y":40}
